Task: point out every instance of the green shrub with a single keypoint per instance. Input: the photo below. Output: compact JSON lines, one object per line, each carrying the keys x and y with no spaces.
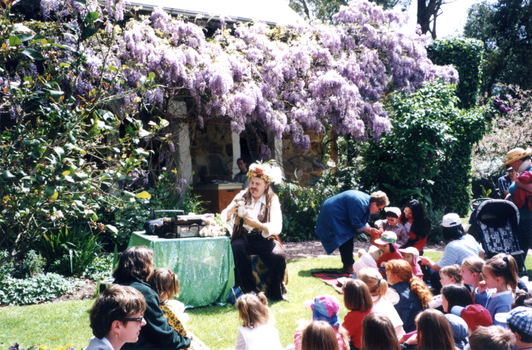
{"x":37,"y":289}
{"x":426,"y":155}
{"x":100,"y":268}
{"x":33,"y":264}
{"x":169,"y":191}
{"x":466,"y":55}
{"x":70,"y":251}
{"x":436,"y":216}
{"x":7,"y":266}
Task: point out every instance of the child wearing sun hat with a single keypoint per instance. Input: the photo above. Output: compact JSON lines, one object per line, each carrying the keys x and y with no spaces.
{"x":389,"y":248}
{"x":324,"y":308}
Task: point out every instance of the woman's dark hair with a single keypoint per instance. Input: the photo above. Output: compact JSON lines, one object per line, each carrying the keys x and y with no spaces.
{"x":135,"y":262}
{"x":421,"y":225}
{"x":452,"y":233}
{"x":116,"y":303}
{"x":456,"y":295}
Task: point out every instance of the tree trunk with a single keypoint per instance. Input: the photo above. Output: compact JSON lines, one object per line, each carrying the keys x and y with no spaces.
{"x":427,"y":12}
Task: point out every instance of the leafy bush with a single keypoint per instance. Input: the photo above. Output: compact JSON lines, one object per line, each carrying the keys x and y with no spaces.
{"x":100,"y":268}
{"x":300,"y":207}
{"x":69,"y":252}
{"x":168,"y":191}
{"x":425,"y":155}
{"x":8,"y":267}
{"x":33,"y":264}
{"x":63,"y":151}
{"x":36,"y":289}
{"x":466,"y":55}
{"x":435,"y":216}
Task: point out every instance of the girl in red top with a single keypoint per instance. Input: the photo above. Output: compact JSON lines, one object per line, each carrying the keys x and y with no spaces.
{"x":357,"y":299}
{"x":416,"y":222}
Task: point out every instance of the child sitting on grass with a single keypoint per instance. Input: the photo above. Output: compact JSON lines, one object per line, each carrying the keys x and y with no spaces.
{"x":388,"y":247}
{"x":448,"y":275}
{"x":472,"y":272}
{"x":500,"y":273}
{"x":257,"y":331}
{"x":357,"y":299}
{"x":324,"y":308}
{"x":165,"y":284}
{"x":411,"y":255}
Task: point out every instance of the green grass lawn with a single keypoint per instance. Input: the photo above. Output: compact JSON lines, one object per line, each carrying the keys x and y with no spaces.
{"x":59,"y":324}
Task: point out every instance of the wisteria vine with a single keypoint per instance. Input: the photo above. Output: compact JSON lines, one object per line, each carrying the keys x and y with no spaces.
{"x":291,"y":79}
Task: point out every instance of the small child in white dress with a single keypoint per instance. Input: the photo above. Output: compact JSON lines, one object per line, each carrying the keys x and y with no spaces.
{"x":257,"y":331}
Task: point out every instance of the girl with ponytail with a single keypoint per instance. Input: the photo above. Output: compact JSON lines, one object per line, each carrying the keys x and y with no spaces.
{"x":414,"y":295}
{"x":383,"y":297}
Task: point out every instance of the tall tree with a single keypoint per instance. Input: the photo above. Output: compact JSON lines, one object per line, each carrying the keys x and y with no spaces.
{"x":506,"y":30}
{"x":427,"y":14}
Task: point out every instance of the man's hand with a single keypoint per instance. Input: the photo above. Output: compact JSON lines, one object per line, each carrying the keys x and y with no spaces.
{"x":248,"y":220}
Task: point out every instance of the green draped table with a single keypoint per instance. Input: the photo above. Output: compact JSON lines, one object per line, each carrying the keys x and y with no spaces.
{"x":204,"y":266}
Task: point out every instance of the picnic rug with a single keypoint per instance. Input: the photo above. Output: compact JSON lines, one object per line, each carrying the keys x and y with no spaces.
{"x":330,"y":277}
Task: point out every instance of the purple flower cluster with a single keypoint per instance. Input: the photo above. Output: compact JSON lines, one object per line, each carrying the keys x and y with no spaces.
{"x":499,"y":104}
{"x":290,"y":79}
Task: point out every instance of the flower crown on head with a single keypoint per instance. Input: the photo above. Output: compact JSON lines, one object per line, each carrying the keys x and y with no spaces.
{"x":268,"y":171}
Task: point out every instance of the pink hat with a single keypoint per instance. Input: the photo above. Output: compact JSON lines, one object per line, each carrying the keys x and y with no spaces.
{"x":326,"y":305}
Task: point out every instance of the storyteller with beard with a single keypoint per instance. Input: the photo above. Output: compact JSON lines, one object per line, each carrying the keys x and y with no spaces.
{"x":255,"y":221}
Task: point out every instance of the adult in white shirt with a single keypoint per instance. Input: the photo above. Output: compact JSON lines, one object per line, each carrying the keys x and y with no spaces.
{"x":255,"y":219}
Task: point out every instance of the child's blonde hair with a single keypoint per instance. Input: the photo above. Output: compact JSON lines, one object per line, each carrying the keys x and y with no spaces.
{"x":357,"y":296}
{"x":474,"y":264}
{"x":452,"y":271}
{"x":253,"y":310}
{"x":505,"y":266}
{"x":373,"y":279}
{"x":165,"y":284}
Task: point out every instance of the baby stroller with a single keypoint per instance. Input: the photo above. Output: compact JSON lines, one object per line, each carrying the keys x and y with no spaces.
{"x":496,"y":222}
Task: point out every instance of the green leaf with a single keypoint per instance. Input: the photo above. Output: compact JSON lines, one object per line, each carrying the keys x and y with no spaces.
{"x":60,"y":152}
{"x":88,"y":32}
{"x":33,"y":54}
{"x":7,"y":175}
{"x":112,"y":228}
{"x":49,"y":189}
{"x":128,"y":194}
{"x":14,"y":40}
{"x":55,"y":94}
{"x":81,"y":1}
{"x":94,"y":15}
{"x":25,"y":36}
